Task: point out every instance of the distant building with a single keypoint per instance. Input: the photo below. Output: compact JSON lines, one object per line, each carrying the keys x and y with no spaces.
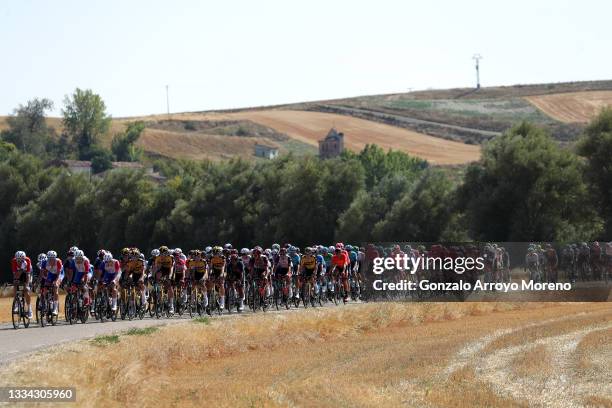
{"x":332,"y":145}
{"x":268,"y":152}
{"x":78,"y":166}
{"x":84,"y":167}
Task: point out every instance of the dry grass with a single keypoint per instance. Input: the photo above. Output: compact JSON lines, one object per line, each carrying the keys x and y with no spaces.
{"x":593,"y":401}
{"x":594,"y":352}
{"x":534,"y":362}
{"x":572,"y":107}
{"x":364,"y":355}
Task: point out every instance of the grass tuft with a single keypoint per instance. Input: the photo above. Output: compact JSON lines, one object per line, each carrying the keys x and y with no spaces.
{"x":105,"y":340}
{"x":134,"y":331}
{"x":202,"y":319}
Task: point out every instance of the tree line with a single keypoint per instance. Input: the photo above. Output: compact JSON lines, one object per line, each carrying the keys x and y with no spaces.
{"x":526,"y":187}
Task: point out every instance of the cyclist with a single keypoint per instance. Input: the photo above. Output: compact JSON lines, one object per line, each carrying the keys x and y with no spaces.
{"x":339,"y":263}
{"x":126,"y":262}
{"x":111,"y":274}
{"x":180,"y":267}
{"x":139,"y":266}
{"x":552,"y":262}
{"x":282,"y":270}
{"x":260,"y":269}
{"x":82,"y":274}
{"x":42,"y":276}
{"x":235,"y":277}
{"x":216,"y":274}
{"x":307,"y":268}
{"x":98,"y":265}
{"x":22,"y":274}
{"x":68,"y":271}
{"x":532,"y":262}
{"x":295,"y":261}
{"x":164,"y":265}
{"x":54,"y":270}
{"x":196,"y":267}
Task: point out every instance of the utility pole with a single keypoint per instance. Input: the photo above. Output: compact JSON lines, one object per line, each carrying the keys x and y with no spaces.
{"x":477,"y":58}
{"x":167,"y":101}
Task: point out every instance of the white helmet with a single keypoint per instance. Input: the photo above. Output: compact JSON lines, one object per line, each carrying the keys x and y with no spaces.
{"x":244,"y":251}
{"x":208,"y":249}
{"x":42,"y":257}
{"x":79,"y":254}
{"x":155,"y":252}
{"x":178,"y":251}
{"x":51,"y":254}
{"x":20,"y":255}
{"x":108,"y":257}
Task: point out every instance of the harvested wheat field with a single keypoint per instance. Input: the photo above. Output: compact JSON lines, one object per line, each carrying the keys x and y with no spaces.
{"x":572,"y":107}
{"x":183,"y":145}
{"x":370,"y":355}
{"x":310,"y":127}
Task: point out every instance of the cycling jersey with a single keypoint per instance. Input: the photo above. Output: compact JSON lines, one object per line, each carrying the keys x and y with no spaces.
{"x":81,"y":269}
{"x":24,"y":265}
{"x":54,"y":270}
{"x":308,"y":262}
{"x":138,"y":266}
{"x":340,"y":260}
{"x":110,"y":270}
{"x":164,"y":261}
{"x":283,"y":262}
{"x":235,"y":270}
{"x":217,"y":262}
{"x":196,"y":266}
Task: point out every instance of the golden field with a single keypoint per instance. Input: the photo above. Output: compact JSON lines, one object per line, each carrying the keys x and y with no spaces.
{"x":368,"y":355}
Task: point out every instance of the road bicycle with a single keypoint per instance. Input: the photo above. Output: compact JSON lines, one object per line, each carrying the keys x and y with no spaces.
{"x":20,"y":313}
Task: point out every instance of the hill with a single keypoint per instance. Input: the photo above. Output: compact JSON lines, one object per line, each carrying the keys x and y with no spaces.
{"x":442,"y":126}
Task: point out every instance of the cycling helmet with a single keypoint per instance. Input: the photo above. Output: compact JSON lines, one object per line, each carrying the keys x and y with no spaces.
{"x":283,"y":251}
{"x":244,"y":251}
{"x":42,"y":257}
{"x":227,"y":246}
{"x":275,"y":247}
{"x":217,"y":249}
{"x":340,"y":245}
{"x":125,"y":251}
{"x":100,"y":253}
{"x":52,"y":254}
{"x":155,"y":253}
{"x":163,"y":249}
{"x":178,"y":251}
{"x":108,"y":257}
{"x":257,"y":250}
{"x":79,"y":254}
{"x":20,"y":255}
{"x":208,"y":249}
{"x":308,"y":250}
{"x":350,"y":247}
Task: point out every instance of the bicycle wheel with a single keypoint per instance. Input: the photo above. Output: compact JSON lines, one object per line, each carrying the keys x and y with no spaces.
{"x":16,"y":312}
{"x":42,"y":312}
{"x":70,"y":308}
{"x":66,"y":309}
{"x":306,"y":294}
{"x":131,"y":305}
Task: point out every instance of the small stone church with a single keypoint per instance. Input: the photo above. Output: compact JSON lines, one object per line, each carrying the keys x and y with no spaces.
{"x":332,"y":145}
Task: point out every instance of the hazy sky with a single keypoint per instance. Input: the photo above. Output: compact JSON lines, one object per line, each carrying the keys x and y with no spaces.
{"x":224,"y":54}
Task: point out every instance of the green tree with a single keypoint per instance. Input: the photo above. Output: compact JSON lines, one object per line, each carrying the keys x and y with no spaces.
{"x":527,"y":188}
{"x":101,"y":159}
{"x":27,"y":127}
{"x":596,"y":147}
{"x":378,"y":164}
{"x":85,"y":120}
{"x":422,"y":214}
{"x":123,"y":145}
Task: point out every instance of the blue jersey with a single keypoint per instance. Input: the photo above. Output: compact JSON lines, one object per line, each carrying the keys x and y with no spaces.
{"x":295,"y":258}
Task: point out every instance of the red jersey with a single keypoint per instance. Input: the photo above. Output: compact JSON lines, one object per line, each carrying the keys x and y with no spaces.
{"x":25,"y":265}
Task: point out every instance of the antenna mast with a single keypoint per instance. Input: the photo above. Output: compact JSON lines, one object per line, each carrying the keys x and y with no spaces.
{"x":477,"y":58}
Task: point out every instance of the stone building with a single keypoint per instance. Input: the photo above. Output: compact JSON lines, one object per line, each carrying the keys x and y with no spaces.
{"x":268,"y":152}
{"x":332,"y":145}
